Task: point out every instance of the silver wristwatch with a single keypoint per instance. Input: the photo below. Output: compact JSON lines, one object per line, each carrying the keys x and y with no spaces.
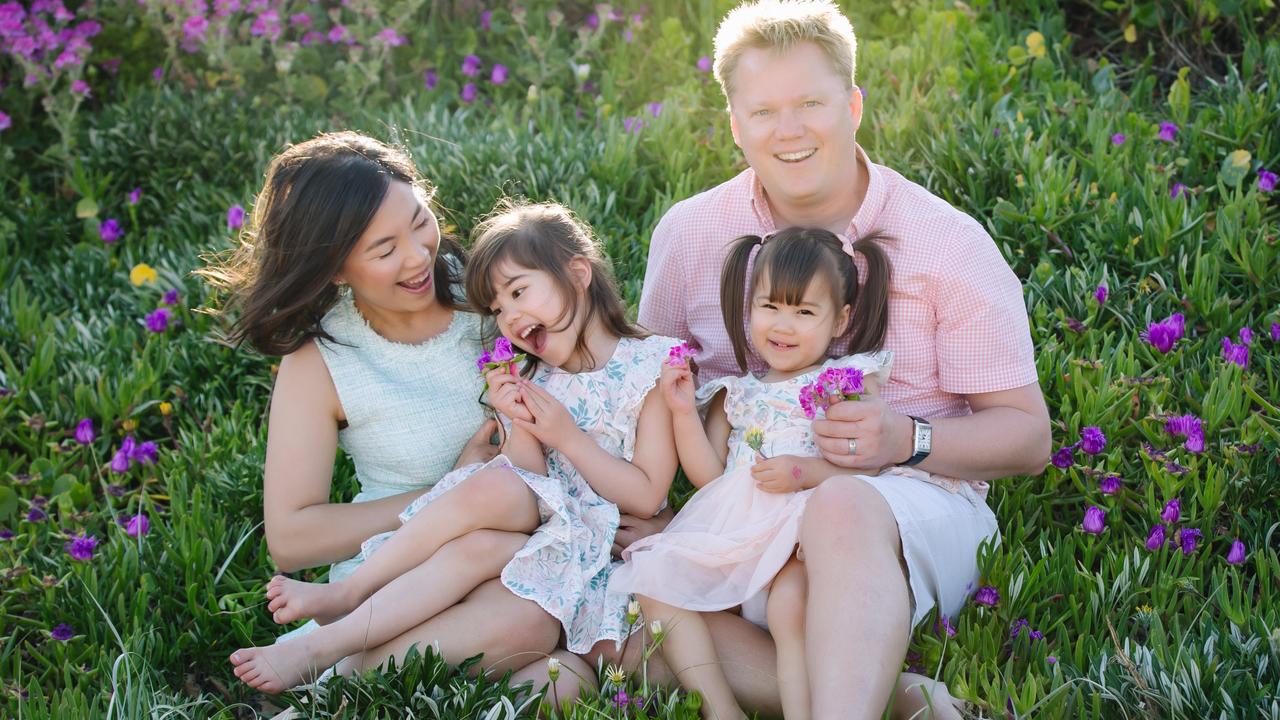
{"x":921,"y":440}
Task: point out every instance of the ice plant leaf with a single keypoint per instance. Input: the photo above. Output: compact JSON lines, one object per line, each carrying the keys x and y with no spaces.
{"x":86,"y":208}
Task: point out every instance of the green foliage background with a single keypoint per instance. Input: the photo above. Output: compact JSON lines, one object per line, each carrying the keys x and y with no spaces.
{"x":957,"y":100}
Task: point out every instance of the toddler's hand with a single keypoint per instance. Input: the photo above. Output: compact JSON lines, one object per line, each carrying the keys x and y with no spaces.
{"x":504,"y":394}
{"x":780,"y":474}
{"x":677,"y":389}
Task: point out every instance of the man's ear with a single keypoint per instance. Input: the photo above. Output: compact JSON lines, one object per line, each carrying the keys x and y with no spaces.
{"x":733,"y":127}
{"x":855,"y":107}
{"x":580,"y":271}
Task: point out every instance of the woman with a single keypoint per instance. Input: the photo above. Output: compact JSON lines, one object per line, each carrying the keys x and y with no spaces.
{"x":346,"y":276}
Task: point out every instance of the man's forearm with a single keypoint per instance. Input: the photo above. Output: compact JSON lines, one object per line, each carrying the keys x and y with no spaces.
{"x":991,"y":443}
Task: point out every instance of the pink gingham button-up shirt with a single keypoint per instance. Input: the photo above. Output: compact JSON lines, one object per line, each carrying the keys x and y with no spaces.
{"x":957,"y":320}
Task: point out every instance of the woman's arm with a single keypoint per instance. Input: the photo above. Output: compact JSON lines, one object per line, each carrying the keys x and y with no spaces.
{"x":638,"y":487}
{"x":303,"y":528}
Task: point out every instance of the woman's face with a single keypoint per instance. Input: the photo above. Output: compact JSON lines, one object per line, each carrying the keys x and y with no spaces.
{"x":390,"y":269}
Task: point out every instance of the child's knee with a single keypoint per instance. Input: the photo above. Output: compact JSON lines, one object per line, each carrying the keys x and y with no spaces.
{"x":788,"y":595}
{"x":496,"y":490}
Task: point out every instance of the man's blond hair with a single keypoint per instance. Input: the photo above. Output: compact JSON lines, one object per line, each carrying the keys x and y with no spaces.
{"x":780,"y":25}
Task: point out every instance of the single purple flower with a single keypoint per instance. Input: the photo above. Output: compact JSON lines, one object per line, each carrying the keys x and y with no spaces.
{"x":1155,"y":538}
{"x":1100,"y":294}
{"x":471,"y":65}
{"x":1095,"y":519}
{"x":620,"y":699}
{"x":36,"y":515}
{"x":135,"y":195}
{"x":1267,"y":180}
{"x":1189,"y":539}
{"x":1172,"y":511}
{"x":1016,"y":627}
{"x":502,"y":350}
{"x":655,"y":108}
{"x":62,"y":632}
{"x":947,"y":627}
{"x":704,"y":64}
{"x":1110,"y":485}
{"x":1051,"y":660}
{"x":110,"y":231}
{"x":339,"y":33}
{"x":5,"y":121}
{"x":40,"y":501}
{"x":81,"y":547}
{"x":137,"y":526}
{"x":1275,"y":332}
{"x":986,"y":595}
{"x":486,"y":20}
{"x":469,"y":93}
{"x":1238,"y":354}
{"x":1189,"y":427}
{"x":390,"y":37}
{"x":1236,"y":554}
{"x":485,"y":358}
{"x":430,"y":79}
{"x":157,"y":74}
{"x":1246,"y":336}
{"x":1064,"y":458}
{"x":592,"y":21}
{"x":1117,"y":139}
{"x":145,"y":453}
{"x":235,"y":217}
{"x":1092,"y":441}
{"x":499,"y":74}
{"x":158,"y":320}
{"x":84,"y":431}
{"x":1177,"y":190}
{"x":194,"y":27}
{"x":171,"y":297}
{"x":995,"y":132}
{"x":1035,"y":635}
{"x":6,"y":534}
{"x":1168,"y":132}
{"x":1165,"y":334}
{"x":632,"y":123}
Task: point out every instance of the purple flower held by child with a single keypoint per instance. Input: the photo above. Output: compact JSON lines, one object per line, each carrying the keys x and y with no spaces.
{"x":81,"y":547}
{"x":1092,"y":441}
{"x":1095,"y":520}
{"x":62,"y":632}
{"x":1155,"y":539}
{"x":986,"y":595}
{"x":158,"y":320}
{"x":1168,"y":132}
{"x":1189,"y":539}
{"x":680,"y":355}
{"x":137,"y":526}
{"x":1172,"y":511}
{"x":1236,"y":554}
{"x":110,"y":231}
{"x":85,"y":432}
{"x":485,"y":358}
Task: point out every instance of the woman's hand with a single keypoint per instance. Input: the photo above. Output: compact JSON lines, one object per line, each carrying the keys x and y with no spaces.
{"x":550,"y":422}
{"x":504,"y":393}
{"x":677,"y":389}
{"x":479,"y":449}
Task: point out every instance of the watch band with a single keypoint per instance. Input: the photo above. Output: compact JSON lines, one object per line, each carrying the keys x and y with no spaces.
{"x":921,"y":440}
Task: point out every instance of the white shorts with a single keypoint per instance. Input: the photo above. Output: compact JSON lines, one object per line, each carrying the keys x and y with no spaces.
{"x":941,"y":530}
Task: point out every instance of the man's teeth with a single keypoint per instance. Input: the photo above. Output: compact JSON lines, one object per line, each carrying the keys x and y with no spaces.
{"x":793,"y":156}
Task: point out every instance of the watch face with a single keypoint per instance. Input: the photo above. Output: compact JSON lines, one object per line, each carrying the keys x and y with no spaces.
{"x":924,"y":437}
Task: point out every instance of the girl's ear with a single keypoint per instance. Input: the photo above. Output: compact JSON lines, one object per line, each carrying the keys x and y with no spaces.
{"x":842,"y":321}
{"x":580,"y":271}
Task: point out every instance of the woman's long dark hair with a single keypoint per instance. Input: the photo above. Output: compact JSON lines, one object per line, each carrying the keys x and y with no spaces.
{"x":546,"y":236}
{"x":318,"y":199}
{"x":791,"y":259}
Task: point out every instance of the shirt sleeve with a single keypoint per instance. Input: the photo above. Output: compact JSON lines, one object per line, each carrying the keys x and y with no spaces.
{"x":662,"y":300}
{"x":983,"y":335}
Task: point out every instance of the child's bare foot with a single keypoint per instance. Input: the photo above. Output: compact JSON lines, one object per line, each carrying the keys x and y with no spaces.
{"x":276,"y":668}
{"x":290,"y":600}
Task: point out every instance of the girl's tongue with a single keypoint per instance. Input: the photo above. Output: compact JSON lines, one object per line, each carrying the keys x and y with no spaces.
{"x":537,"y":339}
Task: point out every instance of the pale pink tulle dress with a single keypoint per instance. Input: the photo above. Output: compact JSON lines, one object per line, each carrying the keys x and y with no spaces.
{"x":730,"y":539}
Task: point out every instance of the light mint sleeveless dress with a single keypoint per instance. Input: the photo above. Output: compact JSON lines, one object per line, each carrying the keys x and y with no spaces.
{"x":410,"y":408}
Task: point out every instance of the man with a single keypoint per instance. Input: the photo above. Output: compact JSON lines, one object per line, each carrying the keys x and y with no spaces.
{"x":963,"y":400}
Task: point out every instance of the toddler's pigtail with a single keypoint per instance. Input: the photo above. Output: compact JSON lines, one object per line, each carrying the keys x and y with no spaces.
{"x":870,"y":311}
{"x":733,"y":294}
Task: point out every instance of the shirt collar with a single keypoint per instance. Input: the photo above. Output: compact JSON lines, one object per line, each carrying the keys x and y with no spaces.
{"x":864,"y":221}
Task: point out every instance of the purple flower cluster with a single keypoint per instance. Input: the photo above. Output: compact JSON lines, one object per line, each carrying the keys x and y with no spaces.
{"x":986,"y":596}
{"x":1238,"y":354}
{"x":680,"y":355}
{"x":45,"y":44}
{"x":1164,"y":334}
{"x":832,"y":385}
{"x":80,"y":547}
{"x":1092,"y":441}
{"x":132,"y":451}
{"x":1017,"y":626}
{"x":1189,"y":427}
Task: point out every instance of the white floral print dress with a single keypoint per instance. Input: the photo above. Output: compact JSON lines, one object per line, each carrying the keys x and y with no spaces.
{"x":566,"y":564}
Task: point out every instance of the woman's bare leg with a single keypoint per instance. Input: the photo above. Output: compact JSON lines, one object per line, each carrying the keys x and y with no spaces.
{"x":424,"y":591}
{"x":495,"y":499}
{"x":785,"y":611}
{"x":690,"y":652}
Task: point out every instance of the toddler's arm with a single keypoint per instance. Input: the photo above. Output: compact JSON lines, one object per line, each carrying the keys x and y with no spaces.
{"x":790,"y":473}
{"x":702,"y":449}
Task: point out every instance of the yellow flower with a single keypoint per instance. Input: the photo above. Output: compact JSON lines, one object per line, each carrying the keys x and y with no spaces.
{"x":166,"y":409}
{"x":130,"y":425}
{"x":615,"y":675}
{"x":1019,"y":180}
{"x":1130,"y":33}
{"x":1112,"y":198}
{"x":141,"y":274}
{"x":1093,"y":188}
{"x":1035,"y":44}
{"x":1240,"y":159}
{"x":1019,"y":116}
{"x":754,"y":437}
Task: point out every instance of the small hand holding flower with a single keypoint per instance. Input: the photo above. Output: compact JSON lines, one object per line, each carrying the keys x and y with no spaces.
{"x":784,"y":473}
{"x":550,"y":421}
{"x":504,"y":394}
{"x":677,"y":388}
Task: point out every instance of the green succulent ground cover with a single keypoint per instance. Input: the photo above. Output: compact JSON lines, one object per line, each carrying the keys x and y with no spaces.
{"x":1015,"y":129}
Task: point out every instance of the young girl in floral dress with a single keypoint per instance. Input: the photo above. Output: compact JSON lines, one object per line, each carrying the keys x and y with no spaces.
{"x":754,"y":461}
{"x":584,"y":437}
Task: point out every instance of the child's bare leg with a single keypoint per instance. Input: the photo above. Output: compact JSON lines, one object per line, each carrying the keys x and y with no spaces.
{"x":435,"y":585}
{"x":689,"y":651}
{"x":786,"y":611}
{"x":917,"y":697}
{"x":494,"y":499}
{"x":573,"y":676}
